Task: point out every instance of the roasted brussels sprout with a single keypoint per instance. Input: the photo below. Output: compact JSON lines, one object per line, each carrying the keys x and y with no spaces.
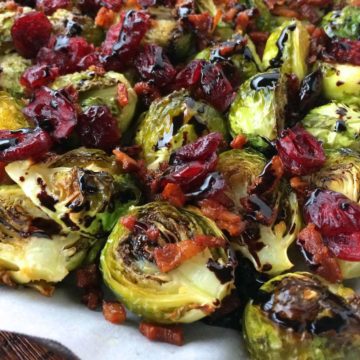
{"x":12,"y":67}
{"x":336,"y":125}
{"x":172,"y":122}
{"x":341,"y":82}
{"x":184,"y":294}
{"x":258,"y":109}
{"x":97,"y":89}
{"x":287,"y":48}
{"x":243,"y":55}
{"x":11,"y":117}
{"x":344,"y":23}
{"x":340,"y":173}
{"x":300,"y":316}
{"x":265,"y":245}
{"x":82,"y":190}
{"x":73,"y":23}
{"x":33,"y":248}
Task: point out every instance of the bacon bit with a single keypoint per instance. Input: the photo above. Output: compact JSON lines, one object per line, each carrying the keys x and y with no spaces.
{"x":202,"y":23}
{"x":114,"y":312}
{"x":174,"y":194}
{"x":127,"y":163}
{"x":230,"y":14}
{"x":92,"y":298}
{"x":216,"y":20}
{"x":152,"y":233}
{"x":286,"y":12}
{"x":147,"y":92}
{"x":225,"y":219}
{"x":299,"y":185}
{"x":87,"y":276}
{"x":129,"y":222}
{"x":259,"y":38}
{"x":242,"y":21}
{"x":12,"y":6}
{"x":172,"y":334}
{"x":171,"y":256}
{"x":105,"y":18}
{"x":210,"y":241}
{"x":311,"y":241}
{"x":238,"y":142}
{"x":122,"y":95}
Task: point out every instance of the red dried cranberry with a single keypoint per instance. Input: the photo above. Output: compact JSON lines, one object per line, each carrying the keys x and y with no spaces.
{"x":123,"y":39}
{"x":50,"y":6}
{"x":23,"y":144}
{"x":345,"y":51}
{"x":67,"y":54}
{"x":38,"y":75}
{"x":345,"y":247}
{"x":300,"y":152}
{"x":54,"y":111}
{"x":333,"y":213}
{"x":190,"y":75}
{"x":31,"y":32}
{"x":147,"y":92}
{"x":98,"y":128}
{"x":153,"y":65}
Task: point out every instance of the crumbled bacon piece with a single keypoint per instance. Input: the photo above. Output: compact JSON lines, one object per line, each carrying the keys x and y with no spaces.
{"x":147,"y":92}
{"x":238,"y":142}
{"x":174,"y":194}
{"x":92,"y":298}
{"x":122,"y":95}
{"x":129,"y":222}
{"x":114,"y":312}
{"x":345,"y":51}
{"x":225,"y":219}
{"x":152,"y":233}
{"x":172,"y":334}
{"x":105,"y":18}
{"x":127,"y":163}
{"x":210,"y":241}
{"x":318,"y":254}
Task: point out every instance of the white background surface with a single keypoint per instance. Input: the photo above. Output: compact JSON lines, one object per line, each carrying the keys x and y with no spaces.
{"x":91,"y":337}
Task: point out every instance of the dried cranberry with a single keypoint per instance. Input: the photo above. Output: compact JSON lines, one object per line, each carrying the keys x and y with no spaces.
{"x":31,"y":32}
{"x":89,"y":7}
{"x":300,"y":152}
{"x":38,"y":75}
{"x":123,"y":39}
{"x":345,"y":51}
{"x":98,"y":128}
{"x":50,"y":6}
{"x":332,"y":213}
{"x":67,"y":54}
{"x":23,"y":144}
{"x":54,"y":111}
{"x":190,"y":75}
{"x":345,"y":247}
{"x":153,"y":65}
{"x":147,"y":92}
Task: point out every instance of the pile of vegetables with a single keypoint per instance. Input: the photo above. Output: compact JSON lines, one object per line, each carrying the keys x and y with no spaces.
{"x":187,"y":155}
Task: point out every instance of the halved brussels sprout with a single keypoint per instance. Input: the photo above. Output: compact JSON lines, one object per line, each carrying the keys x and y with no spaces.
{"x":340,"y":173}
{"x":173,"y":121}
{"x":33,"y":248}
{"x":73,"y":23}
{"x":341,"y":82}
{"x":185,"y":294}
{"x":11,"y":117}
{"x":344,"y":23}
{"x":12,"y":67}
{"x":244,"y":56}
{"x":335,"y":124}
{"x":258,"y":109}
{"x":265,"y":245}
{"x":287,"y":48}
{"x":300,"y":316}
{"x":98,"y":89}
{"x":82,"y":190}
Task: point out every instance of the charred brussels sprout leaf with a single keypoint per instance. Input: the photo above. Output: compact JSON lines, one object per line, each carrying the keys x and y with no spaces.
{"x":298,"y":306}
{"x":172,"y":122}
{"x":81,"y":190}
{"x":287,"y":48}
{"x":11,"y":117}
{"x":258,"y":109}
{"x":344,"y":23}
{"x":341,"y":82}
{"x":265,"y":245}
{"x":336,"y":125}
{"x":185,"y":294}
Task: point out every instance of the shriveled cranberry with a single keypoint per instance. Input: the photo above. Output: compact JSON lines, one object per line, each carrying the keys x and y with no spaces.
{"x":299,"y":151}
{"x":54,"y":111}
{"x":98,"y":128}
{"x":50,"y":6}
{"x":332,"y":213}
{"x":345,"y":247}
{"x":153,"y":65}
{"x":123,"y":39}
{"x":345,"y":51}
{"x":190,"y":75}
{"x":38,"y":75}
{"x":146,"y":92}
{"x":23,"y":144}
{"x":30,"y":33}
{"x":67,"y":54}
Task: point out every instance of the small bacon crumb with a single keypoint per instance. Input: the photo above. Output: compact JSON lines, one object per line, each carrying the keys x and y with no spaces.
{"x":172,"y":334}
{"x":114,"y":312}
{"x":127,"y":163}
{"x":122,"y":95}
{"x":238,"y":142}
{"x":104,"y":18}
{"x":128,"y":221}
{"x":174,"y":194}
{"x":210,"y":241}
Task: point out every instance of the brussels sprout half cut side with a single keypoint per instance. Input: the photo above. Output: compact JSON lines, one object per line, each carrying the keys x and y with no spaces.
{"x":185,"y":294}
